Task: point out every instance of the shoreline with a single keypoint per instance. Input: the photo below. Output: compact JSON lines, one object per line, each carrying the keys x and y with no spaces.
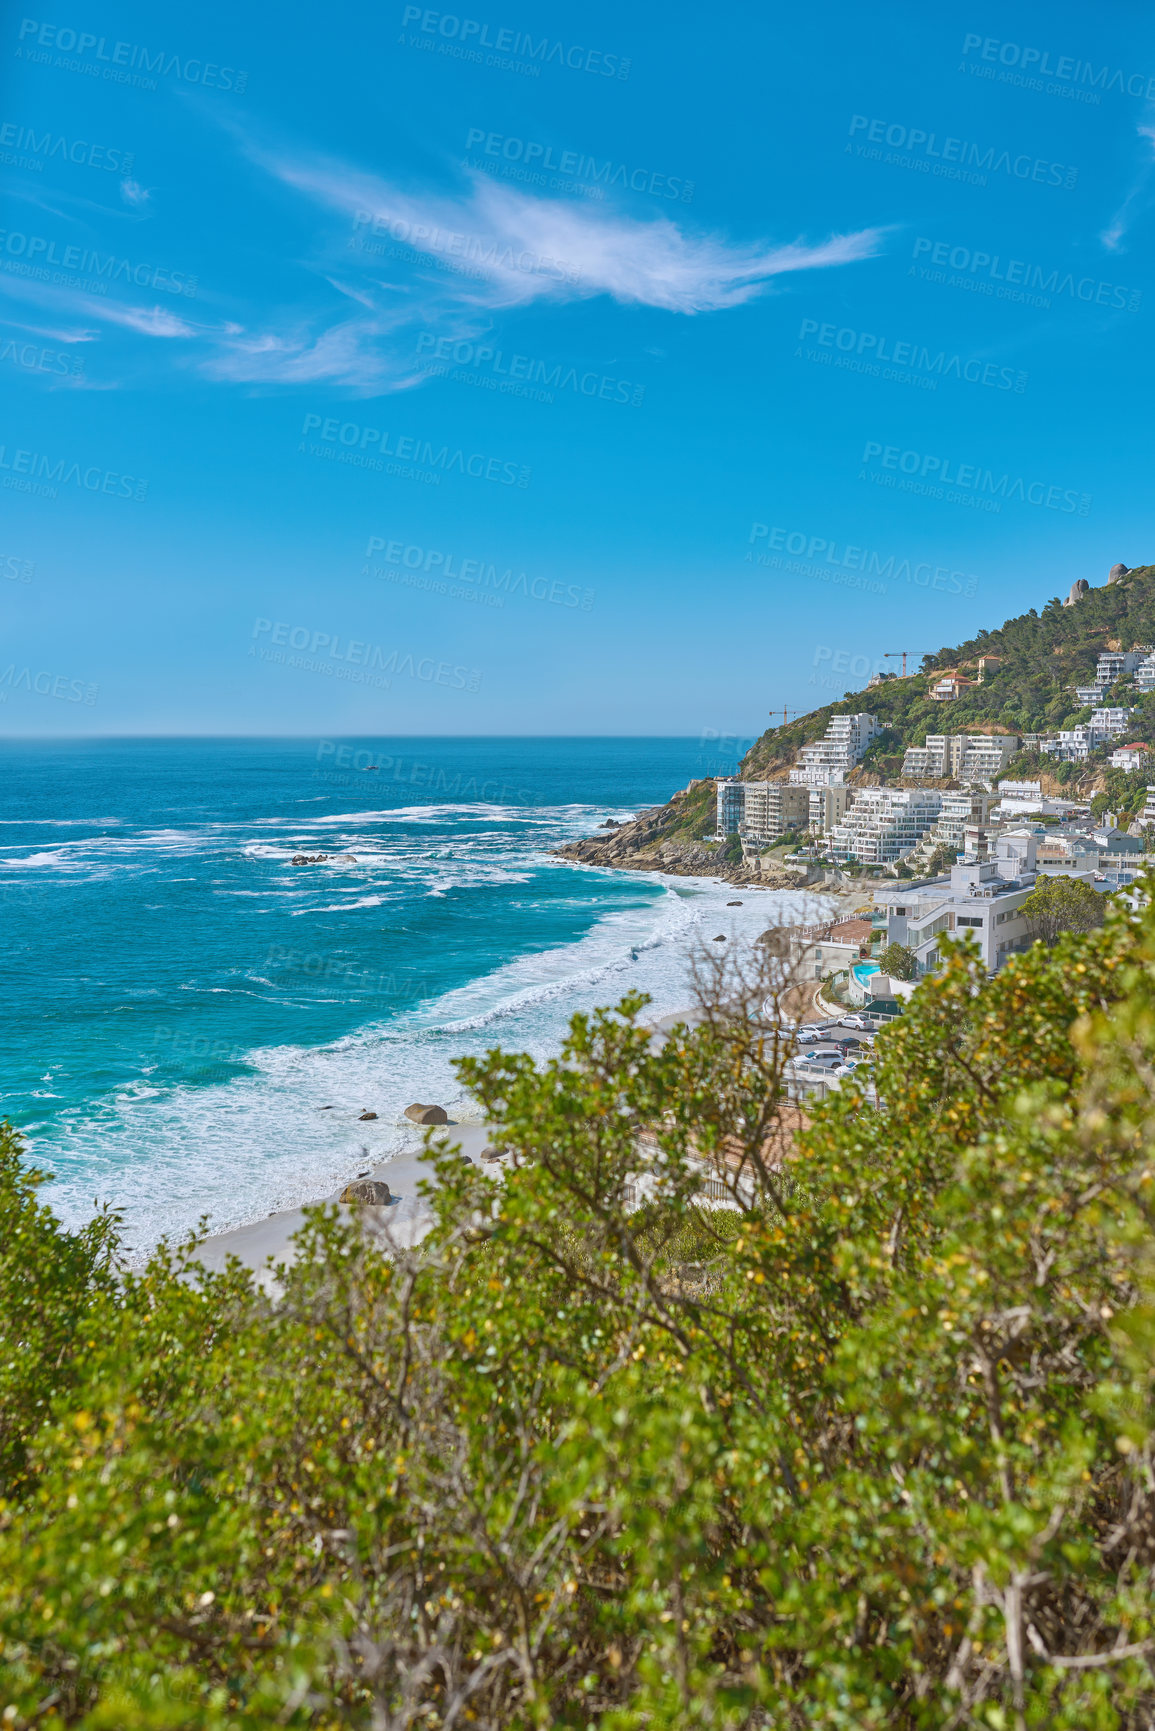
{"x":260,"y":1243}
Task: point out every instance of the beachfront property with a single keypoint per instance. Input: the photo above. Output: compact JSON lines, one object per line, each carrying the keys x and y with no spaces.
{"x":885,"y":823}
{"x":959,"y":756}
{"x":761,"y":812}
{"x":731,"y":805}
{"x":816,"y":951}
{"x":815,"y":797}
{"x":829,"y":760}
{"x":771,"y":810}
{"x":981,"y":897}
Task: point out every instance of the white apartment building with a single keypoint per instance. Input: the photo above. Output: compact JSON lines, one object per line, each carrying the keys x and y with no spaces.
{"x":1145,"y":674}
{"x":960,"y":756}
{"x":828,"y":806}
{"x":1075,"y":744}
{"x":982,"y":897}
{"x":962,"y":809}
{"x":1112,"y":665}
{"x":885,"y":823}
{"x":771,"y":809}
{"x":829,"y":760}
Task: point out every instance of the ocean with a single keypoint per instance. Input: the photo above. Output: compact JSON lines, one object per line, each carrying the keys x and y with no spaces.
{"x":191,"y":1025}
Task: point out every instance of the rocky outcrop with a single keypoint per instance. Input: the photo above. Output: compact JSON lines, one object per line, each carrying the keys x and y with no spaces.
{"x":418,"y":1114}
{"x":660,"y":839}
{"x":369,"y":1192}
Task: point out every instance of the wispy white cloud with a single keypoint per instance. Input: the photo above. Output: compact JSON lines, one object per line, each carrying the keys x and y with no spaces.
{"x":518,"y":248}
{"x":1115,"y":233}
{"x":139,"y":197}
{"x":97,"y":310}
{"x":412,"y":259}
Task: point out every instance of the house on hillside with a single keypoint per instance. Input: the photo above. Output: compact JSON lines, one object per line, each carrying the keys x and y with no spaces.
{"x":1129,"y":756}
{"x":950,"y":686}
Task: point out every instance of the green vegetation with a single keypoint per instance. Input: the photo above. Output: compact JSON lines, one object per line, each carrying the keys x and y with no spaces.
{"x":1044,"y":656}
{"x":898,"y":961}
{"x":872,"y":1450}
{"x":1061,"y":904}
{"x":696,"y":816}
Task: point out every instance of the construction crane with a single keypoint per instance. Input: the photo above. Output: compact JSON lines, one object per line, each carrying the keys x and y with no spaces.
{"x":893,"y":655}
{"x":786,"y":712}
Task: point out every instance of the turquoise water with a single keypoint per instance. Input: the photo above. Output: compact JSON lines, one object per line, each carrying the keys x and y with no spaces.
{"x":192,"y":1025}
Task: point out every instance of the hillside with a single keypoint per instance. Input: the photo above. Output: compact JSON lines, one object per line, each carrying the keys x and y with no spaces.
{"x":1044,"y":655}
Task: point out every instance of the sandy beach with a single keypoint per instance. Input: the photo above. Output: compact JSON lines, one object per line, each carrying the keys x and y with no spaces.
{"x":262,"y":1243}
{"x":408,"y":1217}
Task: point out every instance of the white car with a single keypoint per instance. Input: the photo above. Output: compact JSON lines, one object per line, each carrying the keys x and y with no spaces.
{"x":854,"y":1022}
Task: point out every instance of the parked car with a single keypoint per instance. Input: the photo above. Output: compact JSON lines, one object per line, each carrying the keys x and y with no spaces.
{"x":854,"y":1022}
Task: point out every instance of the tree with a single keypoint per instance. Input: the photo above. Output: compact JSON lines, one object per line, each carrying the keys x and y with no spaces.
{"x":898,"y":961}
{"x":941,"y":859}
{"x":1062,"y":904}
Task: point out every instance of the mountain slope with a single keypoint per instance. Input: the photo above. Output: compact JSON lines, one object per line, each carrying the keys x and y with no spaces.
{"x":1044,"y":655}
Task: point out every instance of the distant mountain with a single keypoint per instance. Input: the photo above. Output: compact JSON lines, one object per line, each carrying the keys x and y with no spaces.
{"x":1043,"y":657}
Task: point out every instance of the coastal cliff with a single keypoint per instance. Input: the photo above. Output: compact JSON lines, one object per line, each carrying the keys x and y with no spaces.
{"x":677,"y":838}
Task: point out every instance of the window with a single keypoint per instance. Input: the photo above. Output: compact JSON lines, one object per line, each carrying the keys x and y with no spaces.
{"x":966,"y":920}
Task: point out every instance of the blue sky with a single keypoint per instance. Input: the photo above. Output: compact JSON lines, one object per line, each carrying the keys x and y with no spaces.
{"x":556,"y":370}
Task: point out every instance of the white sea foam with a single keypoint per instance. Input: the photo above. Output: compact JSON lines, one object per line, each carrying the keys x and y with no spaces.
{"x":259,"y":1142}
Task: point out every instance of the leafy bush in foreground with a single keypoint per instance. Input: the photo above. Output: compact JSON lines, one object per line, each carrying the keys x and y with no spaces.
{"x":871,"y":1447}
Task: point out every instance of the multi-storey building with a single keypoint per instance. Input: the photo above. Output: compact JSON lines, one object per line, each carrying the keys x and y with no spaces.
{"x":981,"y":897}
{"x":1112,"y":665}
{"x":828,"y":806}
{"x":829,"y":760}
{"x":1145,"y":674}
{"x":772,"y":808}
{"x":961,"y":756}
{"x":731,"y":805}
{"x":1075,"y":744}
{"x":962,"y":809}
{"x":885,"y":823}
{"x":1129,"y":756}
{"x":761,"y":811}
